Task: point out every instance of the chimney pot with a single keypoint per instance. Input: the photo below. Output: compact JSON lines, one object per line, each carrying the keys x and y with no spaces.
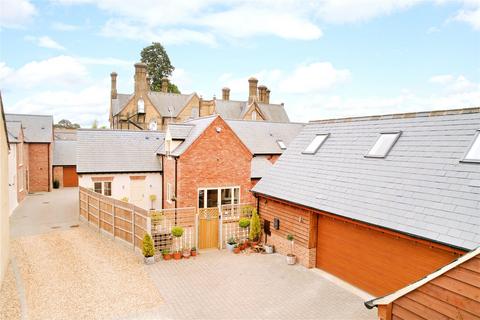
{"x":262,"y":92}
{"x":165,"y":85}
{"x":226,"y":94}
{"x":252,"y":89}
{"x":140,"y":78}
{"x":113,"y":90}
{"x":267,"y":96}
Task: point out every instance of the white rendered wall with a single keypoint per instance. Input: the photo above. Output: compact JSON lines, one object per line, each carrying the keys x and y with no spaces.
{"x":12,"y":178}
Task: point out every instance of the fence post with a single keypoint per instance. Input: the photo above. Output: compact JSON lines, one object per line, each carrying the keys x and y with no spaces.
{"x":113,"y":220}
{"x":196,"y":230}
{"x":88,"y":209}
{"x":79,"y":202}
{"x":148,"y":225}
{"x":99,"y":215}
{"x":133,"y":227}
{"x":220,"y":223}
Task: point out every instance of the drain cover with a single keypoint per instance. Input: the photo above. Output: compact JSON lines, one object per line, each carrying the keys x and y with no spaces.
{"x":45,"y":202}
{"x":55,"y":227}
{"x":74,"y":226}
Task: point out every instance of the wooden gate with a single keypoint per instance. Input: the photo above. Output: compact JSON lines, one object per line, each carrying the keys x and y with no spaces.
{"x":208,"y":228}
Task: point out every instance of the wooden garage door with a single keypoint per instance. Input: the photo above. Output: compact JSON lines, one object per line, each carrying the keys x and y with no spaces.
{"x":70,"y":178}
{"x":376,"y":262}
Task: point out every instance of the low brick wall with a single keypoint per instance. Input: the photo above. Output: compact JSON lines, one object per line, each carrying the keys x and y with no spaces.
{"x":305,"y":257}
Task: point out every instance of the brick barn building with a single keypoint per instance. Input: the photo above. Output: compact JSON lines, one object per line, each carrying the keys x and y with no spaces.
{"x":378,"y":201}
{"x":65,"y":163}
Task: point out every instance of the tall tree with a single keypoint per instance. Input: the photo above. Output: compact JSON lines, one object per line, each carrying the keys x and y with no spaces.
{"x":95,"y":124}
{"x":66,"y":124}
{"x":158,"y":66}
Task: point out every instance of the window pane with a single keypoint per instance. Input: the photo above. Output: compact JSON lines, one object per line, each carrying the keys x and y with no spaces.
{"x":201,"y":199}
{"x":226,"y":196}
{"x":212,"y":198}
{"x":236,"y":195}
{"x":474,"y":152}
{"x":107,"y":188}
{"x":97,"y":186}
{"x":383,"y":145}
{"x":316,"y":143}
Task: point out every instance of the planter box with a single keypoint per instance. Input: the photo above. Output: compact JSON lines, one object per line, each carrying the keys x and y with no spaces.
{"x":230,"y":247}
{"x":149,"y":260}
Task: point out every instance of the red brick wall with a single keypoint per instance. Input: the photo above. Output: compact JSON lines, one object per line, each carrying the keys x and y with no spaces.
{"x":168,"y":177}
{"x":213,"y":160}
{"x":58,"y":174}
{"x":39,"y":167}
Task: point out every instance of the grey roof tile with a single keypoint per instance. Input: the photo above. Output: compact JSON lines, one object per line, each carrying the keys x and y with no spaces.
{"x":64,"y":153}
{"x":421,"y":187}
{"x":14,"y":130}
{"x":36,"y":128}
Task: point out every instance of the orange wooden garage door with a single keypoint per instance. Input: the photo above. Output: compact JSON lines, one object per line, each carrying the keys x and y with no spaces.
{"x":70,"y":178}
{"x":376,"y":262}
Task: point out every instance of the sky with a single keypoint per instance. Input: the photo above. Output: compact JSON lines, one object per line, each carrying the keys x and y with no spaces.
{"x":323,"y":59}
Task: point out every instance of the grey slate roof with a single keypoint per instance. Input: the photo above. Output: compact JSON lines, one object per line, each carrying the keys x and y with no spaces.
{"x":198,"y":126}
{"x":231,"y":109}
{"x":64,"y":134}
{"x":261,"y":136}
{"x":36,"y":128}
{"x":180,"y":131}
{"x":102,"y":151}
{"x":421,"y":188}
{"x":14,"y":129}
{"x":120,"y":103}
{"x":260,"y":167}
{"x":64,"y":152}
{"x":274,"y":112}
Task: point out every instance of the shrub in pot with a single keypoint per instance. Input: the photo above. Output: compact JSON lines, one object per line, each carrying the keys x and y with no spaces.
{"x":193,"y":252}
{"x":244,"y":223}
{"x":148,"y":249}
{"x":291,"y":258}
{"x":268,"y":248}
{"x":186,"y":253}
{"x":166,"y":254}
{"x":152,"y":198}
{"x":56,"y":184}
{"x":177,"y":232}
{"x":231,"y":243}
{"x":255,"y":228}
{"x":177,"y":255}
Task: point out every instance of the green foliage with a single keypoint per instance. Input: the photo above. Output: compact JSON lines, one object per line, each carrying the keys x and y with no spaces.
{"x":95,"y":124}
{"x":165,"y":251}
{"x":231,"y":241}
{"x":255,"y":226}
{"x":66,"y":124}
{"x":194,"y":249}
{"x":289,"y":237}
{"x":152,"y":197}
{"x":177,"y":231}
{"x":244,"y":222}
{"x":147,"y":247}
{"x":247,"y":211}
{"x":56,"y":184}
{"x":124,"y":199}
{"x":158,"y":66}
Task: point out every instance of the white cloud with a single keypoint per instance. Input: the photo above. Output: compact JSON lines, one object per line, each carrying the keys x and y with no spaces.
{"x":45,"y":42}
{"x":60,"y":26}
{"x":109,"y":61}
{"x":441,"y":79}
{"x":16,"y":13}
{"x":470,"y":16}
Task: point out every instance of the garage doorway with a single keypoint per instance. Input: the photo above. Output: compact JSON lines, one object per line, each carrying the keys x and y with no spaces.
{"x":70,"y":177}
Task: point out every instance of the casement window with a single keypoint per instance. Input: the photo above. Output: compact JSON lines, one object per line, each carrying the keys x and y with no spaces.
{"x":103,"y":187}
{"x":473,"y":153}
{"x":213,"y":197}
{"x":383,"y":145}
{"x":169,"y":192}
{"x":316,"y":143}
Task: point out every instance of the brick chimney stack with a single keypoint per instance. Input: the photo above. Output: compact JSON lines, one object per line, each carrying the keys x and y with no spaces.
{"x":226,"y":94}
{"x":165,"y":85}
{"x":267,"y":96}
{"x":252,"y":89}
{"x":140,"y":78}
{"x":262,"y":93}
{"x":113,"y":90}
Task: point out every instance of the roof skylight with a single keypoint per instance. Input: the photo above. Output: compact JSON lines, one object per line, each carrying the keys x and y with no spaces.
{"x":281,"y":144}
{"x":383,"y":145}
{"x":316,"y":143}
{"x":473,"y":153}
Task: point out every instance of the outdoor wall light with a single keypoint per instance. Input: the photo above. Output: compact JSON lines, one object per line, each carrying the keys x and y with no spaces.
{"x":276,"y":223}
{"x":218,"y":129}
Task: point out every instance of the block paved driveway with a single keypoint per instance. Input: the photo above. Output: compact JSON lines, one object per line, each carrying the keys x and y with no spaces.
{"x":222,"y":285}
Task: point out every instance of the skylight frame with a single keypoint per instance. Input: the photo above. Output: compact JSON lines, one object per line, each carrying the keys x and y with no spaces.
{"x":281,"y":144}
{"x":476,"y":139}
{"x":326,"y":135}
{"x":376,"y":156}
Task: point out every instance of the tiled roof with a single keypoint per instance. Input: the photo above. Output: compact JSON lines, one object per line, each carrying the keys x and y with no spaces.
{"x":118,"y":151}
{"x":36,"y":128}
{"x":64,"y":134}
{"x":274,"y":112}
{"x":261,"y":136}
{"x":198,"y":126}
{"x":120,"y":103}
{"x":421,"y":188}
{"x":64,"y":152}
{"x":180,"y":131}
{"x":260,"y":167}
{"x":235,"y":110}
{"x":14,"y":129}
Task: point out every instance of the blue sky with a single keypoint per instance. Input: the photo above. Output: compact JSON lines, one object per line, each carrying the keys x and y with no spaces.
{"x":323,"y":59}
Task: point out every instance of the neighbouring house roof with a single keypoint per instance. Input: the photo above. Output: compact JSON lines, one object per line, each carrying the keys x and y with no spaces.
{"x":406,"y":290}
{"x":14,"y":129}
{"x":261,"y":137}
{"x":180,"y":131}
{"x":64,"y":134}
{"x":120,"y":103}
{"x":36,"y":128}
{"x":231,"y":110}
{"x":103,"y":151}
{"x":421,"y":188}
{"x":260,"y":167}
{"x":64,"y":152}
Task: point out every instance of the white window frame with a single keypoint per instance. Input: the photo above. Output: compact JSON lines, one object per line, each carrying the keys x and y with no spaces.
{"x":476,"y":139}
{"x":326,"y":135}
{"x":219,"y":194}
{"x":169,"y":192}
{"x":102,"y":187}
{"x":397,"y":133}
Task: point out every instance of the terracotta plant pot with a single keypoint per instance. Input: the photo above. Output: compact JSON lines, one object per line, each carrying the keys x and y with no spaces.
{"x":167,"y":256}
{"x":193,"y":253}
{"x":177,"y":255}
{"x":254,"y":243}
{"x":236,"y":250}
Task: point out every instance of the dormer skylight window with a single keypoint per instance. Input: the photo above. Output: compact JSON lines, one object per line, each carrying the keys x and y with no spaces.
{"x":316,"y":143}
{"x":281,"y":144}
{"x":384,"y":144}
{"x":473,"y":154}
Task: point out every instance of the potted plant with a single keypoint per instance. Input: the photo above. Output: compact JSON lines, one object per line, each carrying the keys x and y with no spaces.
{"x":152,"y":198}
{"x":231,"y":243}
{"x":244,"y":223}
{"x":255,"y":228}
{"x":291,"y":258}
{"x":236,"y":249}
{"x":186,"y":253}
{"x":148,"y":250}
{"x":56,"y":184}
{"x":177,"y":232}
{"x":124,"y":199}
{"x":268,"y":248}
{"x":193,"y":252}
{"x":166,"y":254}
